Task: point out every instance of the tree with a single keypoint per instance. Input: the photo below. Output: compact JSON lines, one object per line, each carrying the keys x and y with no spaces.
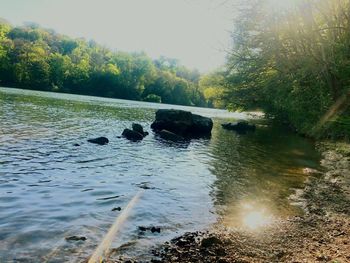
{"x":293,"y":64}
{"x":60,"y":70}
{"x":212,"y":87}
{"x":153,"y":98}
{"x":6,"y":45}
{"x":31,"y":68}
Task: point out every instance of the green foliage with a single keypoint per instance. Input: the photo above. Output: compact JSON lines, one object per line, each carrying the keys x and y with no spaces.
{"x":293,"y":64}
{"x":212,"y":87}
{"x":173,"y":89}
{"x":153,"y":98}
{"x":338,"y":128}
{"x":36,"y":58}
{"x":60,"y":70}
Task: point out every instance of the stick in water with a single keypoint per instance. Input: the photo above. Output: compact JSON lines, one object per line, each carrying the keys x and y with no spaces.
{"x":102,"y":250}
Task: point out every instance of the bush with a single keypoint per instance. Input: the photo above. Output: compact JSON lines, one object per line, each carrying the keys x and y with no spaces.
{"x":153,"y":98}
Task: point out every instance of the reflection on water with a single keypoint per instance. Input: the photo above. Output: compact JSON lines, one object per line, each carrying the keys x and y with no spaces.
{"x":257,"y":172}
{"x":51,"y":189}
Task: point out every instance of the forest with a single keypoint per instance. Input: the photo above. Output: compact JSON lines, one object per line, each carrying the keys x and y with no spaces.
{"x":32,"y":57}
{"x":293,"y":64}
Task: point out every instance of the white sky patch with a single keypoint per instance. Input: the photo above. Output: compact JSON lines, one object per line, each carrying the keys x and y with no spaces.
{"x":194,"y":31}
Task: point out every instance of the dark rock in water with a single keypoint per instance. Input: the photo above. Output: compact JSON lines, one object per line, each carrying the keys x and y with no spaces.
{"x":145,"y":185}
{"x":155,"y":229}
{"x":76,"y":238}
{"x":182,"y":123}
{"x":132,"y":135}
{"x":170,"y":136}
{"x":99,"y":140}
{"x":142,"y":228}
{"x":138,"y":128}
{"x":201,"y":125}
{"x":240,"y":127}
{"x":76,"y":144}
{"x":116,"y":209}
{"x":172,"y":120}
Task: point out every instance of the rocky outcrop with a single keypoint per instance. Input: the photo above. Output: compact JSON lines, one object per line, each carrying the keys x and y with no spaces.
{"x":241,"y":127}
{"x":132,"y":135}
{"x":182,"y":123}
{"x":138,"y":128}
{"x":136,"y":134}
{"x":201,"y":125}
{"x":99,"y":140}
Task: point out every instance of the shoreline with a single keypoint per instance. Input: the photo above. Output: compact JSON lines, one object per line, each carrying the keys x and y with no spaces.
{"x":322,"y":234}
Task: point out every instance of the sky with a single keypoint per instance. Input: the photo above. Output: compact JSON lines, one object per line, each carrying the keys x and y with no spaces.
{"x":197,"y":32}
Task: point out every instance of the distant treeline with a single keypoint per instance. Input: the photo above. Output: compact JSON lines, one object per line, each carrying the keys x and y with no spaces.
{"x":35,"y":58}
{"x":292,"y":63}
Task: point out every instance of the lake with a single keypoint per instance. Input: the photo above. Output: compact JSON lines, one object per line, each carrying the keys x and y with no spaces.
{"x":51,"y":189}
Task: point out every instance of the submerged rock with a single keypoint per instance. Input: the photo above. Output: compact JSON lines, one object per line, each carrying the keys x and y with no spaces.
{"x":99,"y":140}
{"x":142,"y":228}
{"x":182,"y":123}
{"x":152,"y":229}
{"x":240,"y":126}
{"x":75,"y":238}
{"x":145,"y":186}
{"x":132,"y":135}
{"x":155,"y":229}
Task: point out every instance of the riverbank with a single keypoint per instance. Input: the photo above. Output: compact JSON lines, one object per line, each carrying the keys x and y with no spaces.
{"x":320,"y":235}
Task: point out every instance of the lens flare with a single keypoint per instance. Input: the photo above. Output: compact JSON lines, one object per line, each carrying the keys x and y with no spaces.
{"x":256,"y":219}
{"x":254,"y":215}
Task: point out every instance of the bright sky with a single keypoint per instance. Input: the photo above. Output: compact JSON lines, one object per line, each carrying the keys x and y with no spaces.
{"x":194,"y":31}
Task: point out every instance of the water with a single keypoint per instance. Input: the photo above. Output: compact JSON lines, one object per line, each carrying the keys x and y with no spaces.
{"x":51,"y":189}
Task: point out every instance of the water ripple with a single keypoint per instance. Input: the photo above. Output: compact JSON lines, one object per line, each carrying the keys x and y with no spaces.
{"x":50,"y":189}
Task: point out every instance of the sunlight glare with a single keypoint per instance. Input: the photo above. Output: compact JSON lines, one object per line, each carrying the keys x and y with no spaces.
{"x":254,"y":216}
{"x":256,"y":219}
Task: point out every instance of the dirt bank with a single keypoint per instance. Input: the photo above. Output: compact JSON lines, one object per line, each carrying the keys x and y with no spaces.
{"x":322,"y":234}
